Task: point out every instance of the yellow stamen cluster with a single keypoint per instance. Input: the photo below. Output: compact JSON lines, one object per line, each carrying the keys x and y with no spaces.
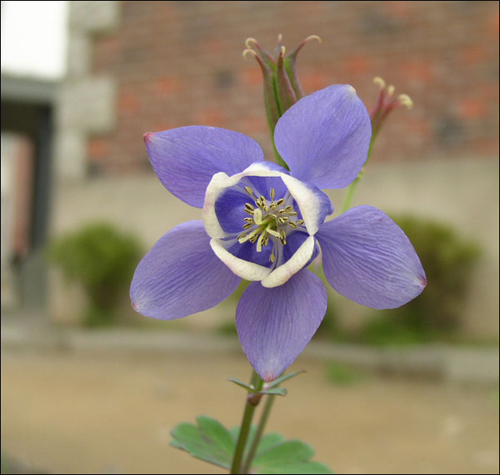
{"x":267,"y":220}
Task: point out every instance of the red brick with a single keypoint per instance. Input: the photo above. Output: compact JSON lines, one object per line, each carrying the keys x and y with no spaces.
{"x":313,"y":81}
{"x":166,"y":56}
{"x":360,"y":64}
{"x":167,"y":85}
{"x":129,"y":101}
{"x":252,"y":76}
{"x":251,"y":125}
{"x":472,"y":109}
{"x":417,"y":70}
{"x":211,"y":116}
{"x":400,"y":9}
{"x":99,"y":149}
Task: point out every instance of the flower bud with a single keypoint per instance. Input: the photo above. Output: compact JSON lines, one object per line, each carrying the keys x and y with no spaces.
{"x":282,"y":87}
{"x":386,"y":103}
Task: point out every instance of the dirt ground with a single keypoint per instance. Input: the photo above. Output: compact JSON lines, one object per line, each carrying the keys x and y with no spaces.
{"x":112,"y":413}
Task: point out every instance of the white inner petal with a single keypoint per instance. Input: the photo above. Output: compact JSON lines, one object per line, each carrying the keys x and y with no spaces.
{"x":309,"y":203}
{"x":282,"y":273}
{"x":244,"y":269}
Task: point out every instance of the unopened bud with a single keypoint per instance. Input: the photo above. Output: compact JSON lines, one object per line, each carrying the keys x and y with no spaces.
{"x":386,"y":103}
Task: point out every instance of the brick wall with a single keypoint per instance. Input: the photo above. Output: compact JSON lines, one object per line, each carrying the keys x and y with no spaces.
{"x":179,"y":63}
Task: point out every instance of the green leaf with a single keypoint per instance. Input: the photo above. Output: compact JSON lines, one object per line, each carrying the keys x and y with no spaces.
{"x":268,"y":441}
{"x":292,"y":457}
{"x":209,"y":441}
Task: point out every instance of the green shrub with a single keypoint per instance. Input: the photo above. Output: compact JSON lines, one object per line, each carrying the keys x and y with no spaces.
{"x":341,"y":374}
{"x":448,"y":261}
{"x":102,"y":259}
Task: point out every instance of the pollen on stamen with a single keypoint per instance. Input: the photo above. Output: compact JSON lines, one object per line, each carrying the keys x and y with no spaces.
{"x":247,"y":52}
{"x":249,"y":42}
{"x":249,"y":191}
{"x":261,"y":203}
{"x":379,"y":82}
{"x":313,"y":37}
{"x":257,"y":216}
{"x":260,"y":242}
{"x":273,"y":232}
{"x":405,"y":100}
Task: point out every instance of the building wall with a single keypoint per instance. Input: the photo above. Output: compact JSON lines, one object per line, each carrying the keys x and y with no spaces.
{"x":148,"y":66}
{"x":180,"y":63}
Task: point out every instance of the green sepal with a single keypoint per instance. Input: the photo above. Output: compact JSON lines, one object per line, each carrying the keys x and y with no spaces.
{"x":274,"y":391}
{"x":291,"y":69}
{"x":273,"y":112}
{"x":271,"y":390}
{"x":284,"y":91}
{"x":283,"y":378}
{"x":291,"y":72}
{"x":249,"y":388}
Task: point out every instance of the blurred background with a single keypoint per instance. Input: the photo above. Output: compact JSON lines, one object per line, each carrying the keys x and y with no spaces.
{"x":88,"y":386}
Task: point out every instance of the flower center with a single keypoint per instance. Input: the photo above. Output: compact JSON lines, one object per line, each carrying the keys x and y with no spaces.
{"x":268,"y":220}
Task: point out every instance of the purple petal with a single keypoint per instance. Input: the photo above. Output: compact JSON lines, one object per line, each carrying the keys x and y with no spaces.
{"x":368,"y":259}
{"x":324,"y":137}
{"x":186,"y":159}
{"x":181,"y":275}
{"x":275,"y":325}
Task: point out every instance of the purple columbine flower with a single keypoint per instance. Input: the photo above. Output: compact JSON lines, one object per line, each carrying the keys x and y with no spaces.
{"x":265,"y":224}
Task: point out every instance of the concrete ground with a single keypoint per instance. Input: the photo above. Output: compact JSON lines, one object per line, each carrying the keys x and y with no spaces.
{"x":89,"y":411}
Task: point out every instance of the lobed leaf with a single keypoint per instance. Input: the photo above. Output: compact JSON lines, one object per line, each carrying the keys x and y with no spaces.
{"x":210,"y":441}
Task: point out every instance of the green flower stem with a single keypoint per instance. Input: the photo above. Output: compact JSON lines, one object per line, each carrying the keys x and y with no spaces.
{"x":246,"y":424}
{"x":260,"y":430}
{"x":346,"y":203}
